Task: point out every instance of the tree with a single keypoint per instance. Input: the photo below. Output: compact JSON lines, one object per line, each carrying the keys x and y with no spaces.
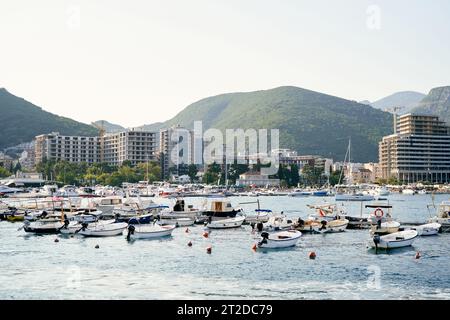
{"x":295,"y":177}
{"x":4,"y":173}
{"x":192,"y":172}
{"x":334,"y":177}
{"x":212,"y":174}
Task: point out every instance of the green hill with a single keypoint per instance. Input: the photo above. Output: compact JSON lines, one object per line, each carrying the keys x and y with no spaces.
{"x":21,"y":121}
{"x":437,"y":102}
{"x":309,"y":122}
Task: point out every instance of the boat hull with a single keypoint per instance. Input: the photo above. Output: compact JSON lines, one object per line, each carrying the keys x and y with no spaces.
{"x":140,"y":233}
{"x":226,"y":223}
{"x":396,"y":240}
{"x":284,"y":239}
{"x":114,"y":229}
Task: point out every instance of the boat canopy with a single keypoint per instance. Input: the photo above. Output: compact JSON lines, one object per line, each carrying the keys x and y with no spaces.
{"x":378,"y":206}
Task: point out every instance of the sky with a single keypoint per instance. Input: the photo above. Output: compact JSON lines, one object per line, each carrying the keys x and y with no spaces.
{"x":141,"y":61}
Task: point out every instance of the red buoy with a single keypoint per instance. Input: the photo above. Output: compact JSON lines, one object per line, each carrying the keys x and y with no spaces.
{"x":206,"y":234}
{"x":254,"y":247}
{"x":312,"y":255}
{"x":417,"y":255}
{"x":187,"y":230}
{"x":209,"y":250}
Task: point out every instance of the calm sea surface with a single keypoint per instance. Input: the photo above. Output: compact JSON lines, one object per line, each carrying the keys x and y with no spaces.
{"x":36,"y":267}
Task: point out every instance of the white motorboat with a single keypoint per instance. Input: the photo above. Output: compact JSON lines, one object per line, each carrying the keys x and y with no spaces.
{"x":235,"y":222}
{"x":103,"y":230}
{"x":385,"y":227}
{"x":443,"y":216}
{"x":394,"y":240}
{"x":179,"y":210}
{"x":278,"y":223}
{"x":85,"y":216}
{"x":42,"y":226}
{"x":149,"y":231}
{"x":408,"y":191}
{"x":332,"y":226}
{"x":429,"y":229}
{"x":73,"y":227}
{"x":282,"y":239}
{"x":381,"y":219}
{"x":259,"y":215}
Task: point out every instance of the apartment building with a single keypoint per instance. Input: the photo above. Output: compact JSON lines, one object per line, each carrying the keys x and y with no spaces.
{"x":133,"y":145}
{"x":419,"y":150}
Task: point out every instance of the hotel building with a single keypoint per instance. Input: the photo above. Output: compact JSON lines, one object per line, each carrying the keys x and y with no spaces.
{"x":419,"y":150}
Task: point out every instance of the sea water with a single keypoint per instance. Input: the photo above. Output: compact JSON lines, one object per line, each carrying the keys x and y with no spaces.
{"x":37,"y":267}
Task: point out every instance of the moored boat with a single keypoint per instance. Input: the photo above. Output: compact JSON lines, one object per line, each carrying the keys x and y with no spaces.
{"x":103,"y":230}
{"x":235,"y":222}
{"x":282,"y":239}
{"x":394,"y":240}
{"x":428,"y":229}
{"x":149,"y":231}
{"x":42,"y":226}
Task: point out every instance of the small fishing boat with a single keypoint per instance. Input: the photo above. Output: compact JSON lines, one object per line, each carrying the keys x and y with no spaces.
{"x":235,"y":222}
{"x":72,"y":227}
{"x":259,"y":215}
{"x":282,"y":239}
{"x":179,"y":210}
{"x":103,"y":230}
{"x":394,"y":240}
{"x":385,"y":227}
{"x":220,"y":209}
{"x":149,"y":231}
{"x":277,"y":223}
{"x":443,"y":216}
{"x":332,"y":226}
{"x":429,"y":229}
{"x":15,"y":217}
{"x":381,"y":221}
{"x":43,"y":227}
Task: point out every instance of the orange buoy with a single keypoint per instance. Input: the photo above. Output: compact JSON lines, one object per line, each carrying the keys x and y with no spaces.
{"x":187,"y":230}
{"x":206,"y":234}
{"x":312,"y":255}
{"x":209,"y":250}
{"x":190,"y":244}
{"x":254,"y":246}
{"x":417,"y":255}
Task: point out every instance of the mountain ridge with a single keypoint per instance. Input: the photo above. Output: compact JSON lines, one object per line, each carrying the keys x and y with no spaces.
{"x":310,"y":122}
{"x":16,"y":129}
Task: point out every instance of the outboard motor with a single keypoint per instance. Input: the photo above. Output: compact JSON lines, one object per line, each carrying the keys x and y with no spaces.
{"x":259,"y":226}
{"x":131,"y":230}
{"x":300,"y":222}
{"x":324,"y":225}
{"x":376,"y":241}
{"x":264,"y":236}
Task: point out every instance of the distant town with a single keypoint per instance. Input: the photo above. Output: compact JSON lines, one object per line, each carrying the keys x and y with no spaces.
{"x":417,"y":152}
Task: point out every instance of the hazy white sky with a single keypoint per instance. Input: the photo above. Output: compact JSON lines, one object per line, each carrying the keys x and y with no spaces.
{"x":134,"y":62}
